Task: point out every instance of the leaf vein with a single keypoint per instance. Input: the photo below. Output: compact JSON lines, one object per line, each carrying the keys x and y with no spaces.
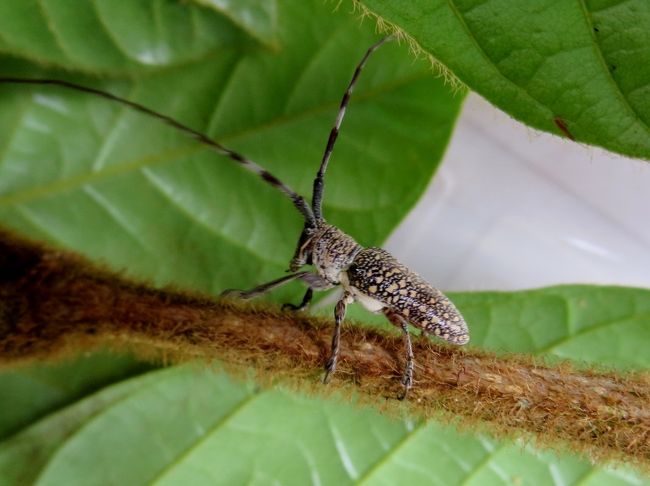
{"x":155,"y":183}
{"x":597,"y":327}
{"x":58,"y":41}
{"x":408,"y":436}
{"x":208,"y":434}
{"x":102,"y":22}
{"x":611,"y":80}
{"x":477,"y":44}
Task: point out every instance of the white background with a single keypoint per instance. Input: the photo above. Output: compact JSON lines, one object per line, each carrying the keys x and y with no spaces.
{"x":513,"y":208}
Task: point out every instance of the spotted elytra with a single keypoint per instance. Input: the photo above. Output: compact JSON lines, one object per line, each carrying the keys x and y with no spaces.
{"x":370,"y":276}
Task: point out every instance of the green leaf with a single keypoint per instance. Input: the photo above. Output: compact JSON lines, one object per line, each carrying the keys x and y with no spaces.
{"x":257,"y":17}
{"x":125,"y":189}
{"x":185,"y":426}
{"x":600,"y":325}
{"x":108,"y":37}
{"x":585,"y":63}
{"x":23,"y":456}
{"x":28,"y":393}
{"x":439,"y":454}
{"x":607,"y":326}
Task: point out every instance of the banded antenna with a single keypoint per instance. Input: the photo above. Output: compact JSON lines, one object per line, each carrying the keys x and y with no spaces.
{"x":298,"y":201}
{"x":312,"y":215}
{"x":319,"y":183}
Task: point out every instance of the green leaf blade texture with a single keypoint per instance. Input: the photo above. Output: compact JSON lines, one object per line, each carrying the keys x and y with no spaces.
{"x":597,"y":325}
{"x":118,"y":38}
{"x":257,"y":18}
{"x":183,"y":425}
{"x":29,"y":393}
{"x":579,"y":63}
{"x":24,"y":455}
{"x":603,"y":326}
{"x":439,"y":455}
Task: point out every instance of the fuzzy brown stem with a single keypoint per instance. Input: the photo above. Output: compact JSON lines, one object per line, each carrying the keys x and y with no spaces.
{"x":53,"y":303}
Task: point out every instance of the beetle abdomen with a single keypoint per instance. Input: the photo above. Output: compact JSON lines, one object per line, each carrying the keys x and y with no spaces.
{"x":377,"y":274}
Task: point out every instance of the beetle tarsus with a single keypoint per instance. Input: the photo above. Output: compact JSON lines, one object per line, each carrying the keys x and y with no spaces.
{"x":306,"y":300}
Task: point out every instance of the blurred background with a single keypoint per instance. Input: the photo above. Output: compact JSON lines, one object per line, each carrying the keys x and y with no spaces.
{"x":513,"y":208}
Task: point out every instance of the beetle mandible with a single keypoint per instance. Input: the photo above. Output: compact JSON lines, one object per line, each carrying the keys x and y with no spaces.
{"x":370,"y":276}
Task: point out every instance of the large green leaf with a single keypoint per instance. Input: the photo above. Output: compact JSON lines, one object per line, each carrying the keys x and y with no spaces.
{"x":31,"y":392}
{"x":606,"y":326}
{"x":184,"y":426}
{"x":584,"y":62}
{"x":125,"y":189}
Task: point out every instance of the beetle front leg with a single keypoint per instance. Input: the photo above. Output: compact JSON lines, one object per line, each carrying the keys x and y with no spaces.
{"x":264,"y":288}
{"x":339,"y":315}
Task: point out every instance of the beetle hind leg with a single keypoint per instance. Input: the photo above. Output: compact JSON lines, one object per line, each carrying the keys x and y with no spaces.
{"x":407,"y":377}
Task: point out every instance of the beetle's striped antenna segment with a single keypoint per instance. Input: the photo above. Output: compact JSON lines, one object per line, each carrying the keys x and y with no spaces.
{"x":319,"y":185}
{"x":298,"y":201}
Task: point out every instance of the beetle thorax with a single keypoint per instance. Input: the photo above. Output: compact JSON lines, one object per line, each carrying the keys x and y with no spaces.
{"x":333,"y":252}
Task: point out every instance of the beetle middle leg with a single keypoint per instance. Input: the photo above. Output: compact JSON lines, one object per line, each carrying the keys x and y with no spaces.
{"x":399,"y":321}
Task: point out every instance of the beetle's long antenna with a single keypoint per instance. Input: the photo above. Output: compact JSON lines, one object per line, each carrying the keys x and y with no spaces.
{"x":319,"y":184}
{"x":298,"y":201}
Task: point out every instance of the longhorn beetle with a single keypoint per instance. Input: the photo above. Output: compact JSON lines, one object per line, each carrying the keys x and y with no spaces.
{"x":370,"y":276}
